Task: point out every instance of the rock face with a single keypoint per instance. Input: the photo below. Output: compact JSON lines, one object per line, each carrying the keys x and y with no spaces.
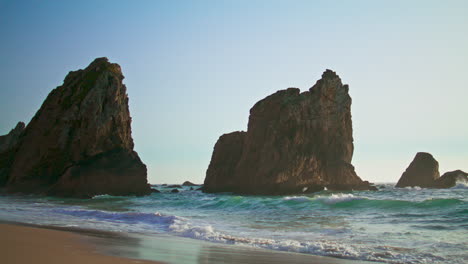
{"x":11,"y":139}
{"x":424,"y":172}
{"x":450,"y":179}
{"x":8,"y":146}
{"x":295,"y":142}
{"x":79,"y":143}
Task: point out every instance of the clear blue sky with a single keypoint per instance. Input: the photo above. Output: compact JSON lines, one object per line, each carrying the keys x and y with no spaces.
{"x":194,"y":68}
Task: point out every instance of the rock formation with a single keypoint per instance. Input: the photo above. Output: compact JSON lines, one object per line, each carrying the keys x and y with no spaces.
{"x":8,"y":145}
{"x":11,"y":139}
{"x":295,"y":142}
{"x":187,"y":183}
{"x":424,"y":172}
{"x":79,"y":143}
{"x":450,"y":179}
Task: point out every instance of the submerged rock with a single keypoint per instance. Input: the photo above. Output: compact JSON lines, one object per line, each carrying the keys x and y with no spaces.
{"x":294,"y":142}
{"x":79,"y":143}
{"x":174,"y":191}
{"x":424,"y":172}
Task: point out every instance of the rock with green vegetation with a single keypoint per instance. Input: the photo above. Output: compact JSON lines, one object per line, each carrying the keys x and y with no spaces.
{"x":295,"y":142}
{"x":79,"y":143}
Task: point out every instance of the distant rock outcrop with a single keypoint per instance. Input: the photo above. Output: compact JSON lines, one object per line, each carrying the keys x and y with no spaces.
{"x":187,"y":183}
{"x":79,"y":143}
{"x":450,"y":179}
{"x":424,"y":172}
{"x":295,"y":142}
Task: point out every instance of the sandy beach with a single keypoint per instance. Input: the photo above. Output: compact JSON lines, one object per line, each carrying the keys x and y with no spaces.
{"x":23,"y":244}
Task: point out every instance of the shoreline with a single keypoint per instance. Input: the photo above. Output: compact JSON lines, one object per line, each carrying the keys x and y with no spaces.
{"x":32,"y":243}
{"x":24,"y":243}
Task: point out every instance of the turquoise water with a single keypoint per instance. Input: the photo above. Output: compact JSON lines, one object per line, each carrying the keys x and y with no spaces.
{"x":393,"y":225}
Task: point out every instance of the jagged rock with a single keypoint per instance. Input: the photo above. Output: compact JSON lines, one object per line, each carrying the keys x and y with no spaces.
{"x":424,"y":172}
{"x":79,"y":143}
{"x":8,"y":146}
{"x":295,"y":142}
{"x":11,"y":139}
{"x":187,"y":183}
{"x":450,"y":179}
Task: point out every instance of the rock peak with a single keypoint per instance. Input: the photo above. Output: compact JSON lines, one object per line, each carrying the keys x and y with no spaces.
{"x":424,"y":155}
{"x":103,"y":64}
{"x":19,"y":127}
{"x":329,"y":74}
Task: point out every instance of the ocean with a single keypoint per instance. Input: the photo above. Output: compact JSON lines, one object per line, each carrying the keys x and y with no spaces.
{"x":391,"y":225}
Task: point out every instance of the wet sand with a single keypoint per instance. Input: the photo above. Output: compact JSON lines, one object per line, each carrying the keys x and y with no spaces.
{"x":20,"y":243}
{"x":31,"y":245}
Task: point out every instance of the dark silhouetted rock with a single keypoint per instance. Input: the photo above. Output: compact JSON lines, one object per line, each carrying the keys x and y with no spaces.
{"x":450,"y":179}
{"x":8,"y":147}
{"x":422,"y":172}
{"x":187,"y":183}
{"x":155,"y":191}
{"x":11,"y":139}
{"x":174,"y":186}
{"x":174,"y":191}
{"x":79,"y":143}
{"x":295,"y":142}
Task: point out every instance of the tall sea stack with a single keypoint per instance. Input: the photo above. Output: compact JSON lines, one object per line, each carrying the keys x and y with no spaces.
{"x":79,"y":143}
{"x":295,"y":142}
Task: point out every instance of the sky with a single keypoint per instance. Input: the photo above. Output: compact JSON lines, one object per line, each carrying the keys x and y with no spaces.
{"x":193,"y":70}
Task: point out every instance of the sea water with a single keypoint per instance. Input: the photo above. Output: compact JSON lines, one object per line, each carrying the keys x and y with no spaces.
{"x":392,"y":225}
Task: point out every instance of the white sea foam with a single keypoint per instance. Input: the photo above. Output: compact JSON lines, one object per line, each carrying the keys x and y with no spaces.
{"x":417,"y":188}
{"x":297,"y":198}
{"x":337,"y":198}
{"x":461,"y":184}
{"x":321,"y":247}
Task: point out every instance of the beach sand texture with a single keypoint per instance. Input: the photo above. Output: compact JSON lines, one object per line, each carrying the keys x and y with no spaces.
{"x":28,"y":245}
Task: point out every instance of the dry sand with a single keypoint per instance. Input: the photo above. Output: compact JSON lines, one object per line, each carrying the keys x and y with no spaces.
{"x":30,"y":245}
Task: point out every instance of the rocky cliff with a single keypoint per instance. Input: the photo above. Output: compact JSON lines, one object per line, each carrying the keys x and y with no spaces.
{"x":295,"y":142}
{"x":79,"y":142}
{"x":8,"y":146}
{"x":423,"y":171}
{"x":11,"y":139}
